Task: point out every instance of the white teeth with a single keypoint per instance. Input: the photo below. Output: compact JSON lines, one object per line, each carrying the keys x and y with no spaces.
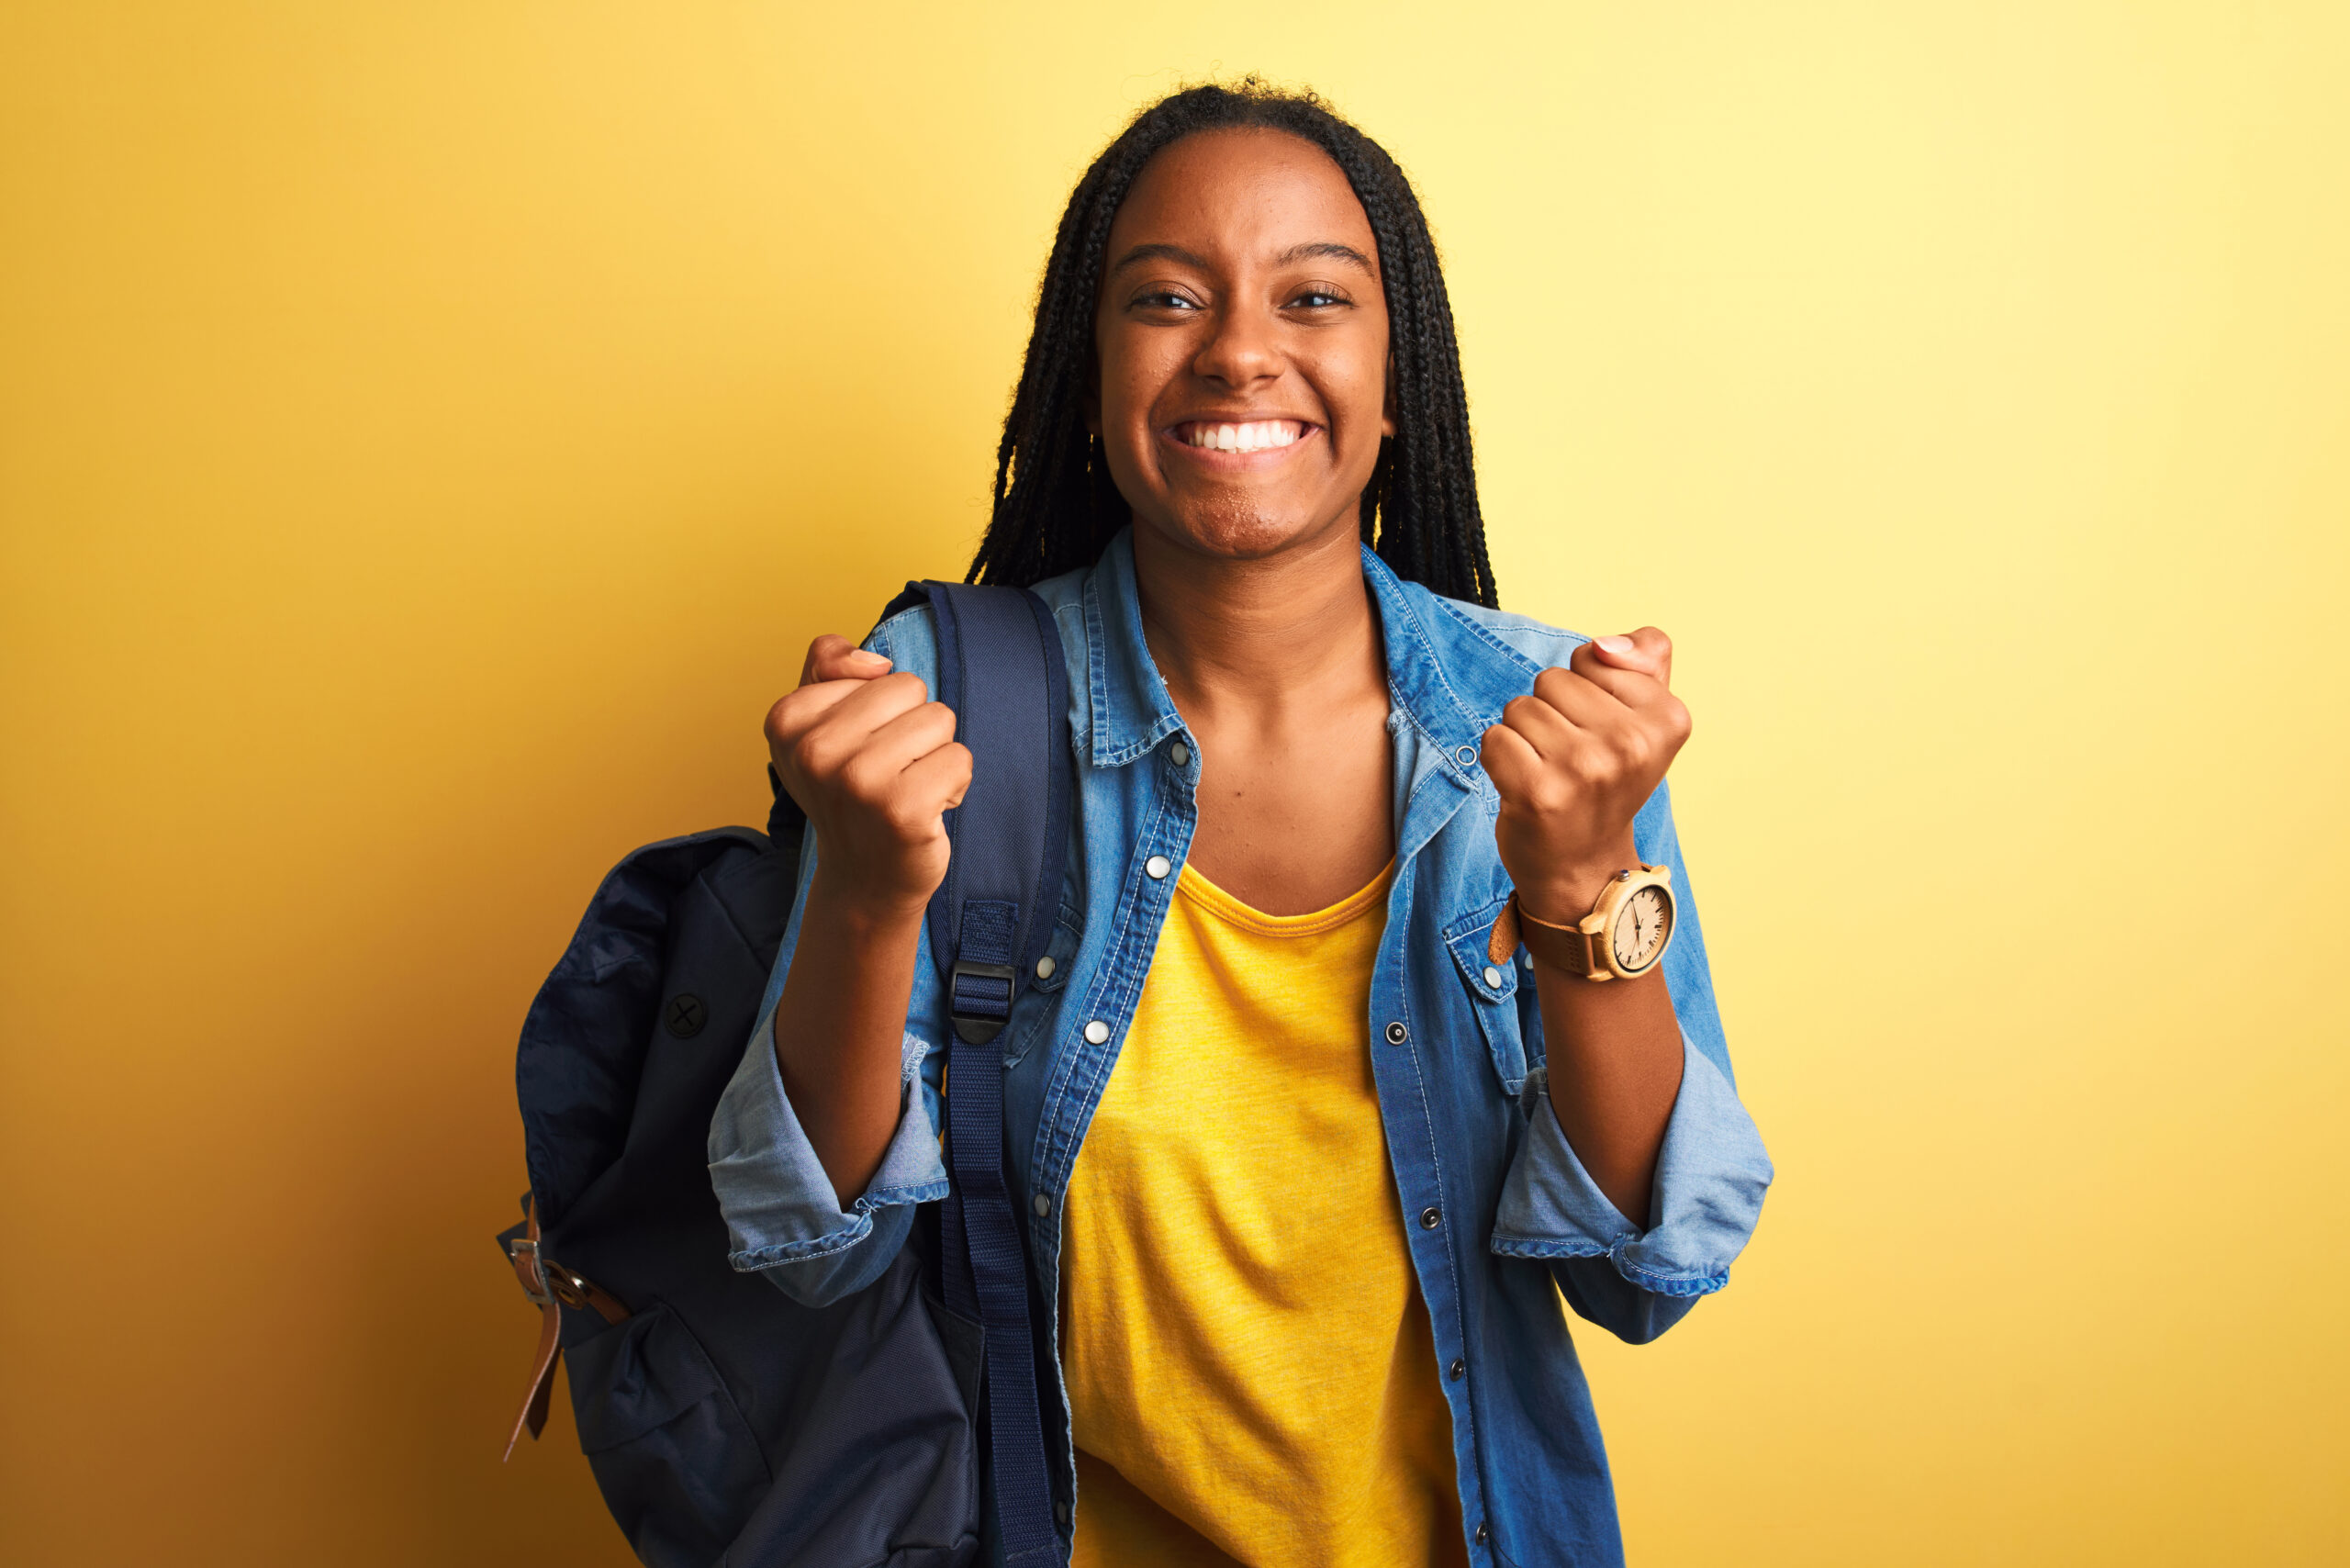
{"x":1256,"y":435}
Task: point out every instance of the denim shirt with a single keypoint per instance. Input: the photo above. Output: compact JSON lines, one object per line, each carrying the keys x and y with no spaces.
{"x":1497,"y":1209}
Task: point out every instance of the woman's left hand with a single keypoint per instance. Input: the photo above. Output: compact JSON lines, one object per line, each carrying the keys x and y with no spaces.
{"x":1574,"y":761}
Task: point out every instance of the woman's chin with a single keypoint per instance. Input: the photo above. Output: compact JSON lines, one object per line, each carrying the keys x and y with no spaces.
{"x":1239,"y":530}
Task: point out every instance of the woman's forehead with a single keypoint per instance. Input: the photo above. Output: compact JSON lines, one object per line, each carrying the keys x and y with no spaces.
{"x":1244,"y":193}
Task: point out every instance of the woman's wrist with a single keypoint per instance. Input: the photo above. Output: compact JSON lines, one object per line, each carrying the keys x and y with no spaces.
{"x":1564,"y":894}
{"x":850,"y":906}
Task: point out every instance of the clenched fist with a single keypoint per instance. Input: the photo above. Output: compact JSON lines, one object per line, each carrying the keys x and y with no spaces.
{"x":1574,"y":761}
{"x":874,"y":764}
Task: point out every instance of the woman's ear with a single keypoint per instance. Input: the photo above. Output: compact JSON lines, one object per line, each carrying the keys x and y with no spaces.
{"x":1387,"y":400}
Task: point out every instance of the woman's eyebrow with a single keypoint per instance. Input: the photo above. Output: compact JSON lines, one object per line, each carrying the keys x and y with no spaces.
{"x":1158,"y":253}
{"x":1322,"y":249}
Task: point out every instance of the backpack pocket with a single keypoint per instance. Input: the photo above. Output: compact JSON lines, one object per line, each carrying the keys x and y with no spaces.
{"x":676,"y":1462}
{"x":880,"y":1464}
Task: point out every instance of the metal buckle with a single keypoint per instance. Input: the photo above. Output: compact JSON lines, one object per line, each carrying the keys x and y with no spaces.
{"x":532,"y":1273}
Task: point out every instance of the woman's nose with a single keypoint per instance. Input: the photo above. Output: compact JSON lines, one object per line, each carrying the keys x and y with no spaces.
{"x":1240,"y":350}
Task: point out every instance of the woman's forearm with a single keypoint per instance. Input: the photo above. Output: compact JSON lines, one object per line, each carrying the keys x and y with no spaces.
{"x":1614,"y":1050}
{"x":840,"y":1028}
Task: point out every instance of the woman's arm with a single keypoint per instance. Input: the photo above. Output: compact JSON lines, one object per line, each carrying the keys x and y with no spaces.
{"x":1573,"y":762}
{"x":1614,"y":1058}
{"x":875,"y":764}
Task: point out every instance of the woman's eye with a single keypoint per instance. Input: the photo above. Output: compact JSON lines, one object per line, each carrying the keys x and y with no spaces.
{"x":1162,"y":301}
{"x":1316,"y":298}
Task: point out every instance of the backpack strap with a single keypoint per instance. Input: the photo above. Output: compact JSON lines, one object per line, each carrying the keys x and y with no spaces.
{"x":1000,"y":669}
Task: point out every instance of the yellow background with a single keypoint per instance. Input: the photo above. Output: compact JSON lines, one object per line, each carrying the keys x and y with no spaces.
{"x":429,"y":432}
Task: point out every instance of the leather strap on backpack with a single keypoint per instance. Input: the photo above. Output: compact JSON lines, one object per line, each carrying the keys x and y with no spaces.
{"x":551,"y":1287}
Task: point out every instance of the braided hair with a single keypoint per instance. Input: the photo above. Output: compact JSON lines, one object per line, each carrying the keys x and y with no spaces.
{"x":1055,"y":506}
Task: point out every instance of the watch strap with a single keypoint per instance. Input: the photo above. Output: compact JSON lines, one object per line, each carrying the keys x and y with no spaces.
{"x":1565,"y":947}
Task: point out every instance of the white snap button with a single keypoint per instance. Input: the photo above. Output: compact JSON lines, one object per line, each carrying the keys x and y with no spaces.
{"x":1157,"y":866}
{"x":1466,"y":756}
{"x":1045,"y":966}
{"x":1097,"y":1032}
{"x":1179,"y":754}
{"x":1492,"y":978}
{"x":1525,"y":962}
{"x":1042,"y":1204}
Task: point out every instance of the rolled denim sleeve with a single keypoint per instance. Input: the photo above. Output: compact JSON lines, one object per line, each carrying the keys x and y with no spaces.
{"x":783,"y":1218}
{"x":1637,"y":1282}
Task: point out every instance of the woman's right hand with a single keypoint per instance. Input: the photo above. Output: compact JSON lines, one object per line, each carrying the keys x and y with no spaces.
{"x":875,"y":764}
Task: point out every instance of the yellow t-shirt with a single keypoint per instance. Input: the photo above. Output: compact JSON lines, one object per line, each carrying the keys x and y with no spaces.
{"x":1251,"y":1375}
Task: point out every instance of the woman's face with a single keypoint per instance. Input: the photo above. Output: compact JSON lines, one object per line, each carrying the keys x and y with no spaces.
{"x":1242,"y":341}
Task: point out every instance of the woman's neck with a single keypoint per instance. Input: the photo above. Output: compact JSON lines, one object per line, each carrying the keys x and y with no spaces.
{"x":1243,"y":639}
{"x":1277,"y":667}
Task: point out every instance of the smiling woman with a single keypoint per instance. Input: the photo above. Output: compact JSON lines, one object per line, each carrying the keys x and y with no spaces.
{"x":1372,"y":1034}
{"x":1243,"y":382}
{"x":1060,"y":502}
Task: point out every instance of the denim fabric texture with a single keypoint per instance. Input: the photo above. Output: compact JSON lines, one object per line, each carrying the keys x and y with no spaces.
{"x":1498,"y":1210}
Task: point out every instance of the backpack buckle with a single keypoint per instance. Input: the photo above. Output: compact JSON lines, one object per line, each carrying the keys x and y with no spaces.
{"x":978,"y":1000}
{"x":531,"y":1270}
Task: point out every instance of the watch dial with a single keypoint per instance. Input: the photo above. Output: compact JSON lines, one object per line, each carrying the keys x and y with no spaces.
{"x":1641,"y":927}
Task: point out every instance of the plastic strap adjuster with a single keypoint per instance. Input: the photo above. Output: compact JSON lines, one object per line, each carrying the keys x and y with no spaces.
{"x":978,"y":1000}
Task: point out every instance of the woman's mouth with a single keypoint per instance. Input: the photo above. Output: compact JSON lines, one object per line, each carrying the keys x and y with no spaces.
{"x":1252,"y":436}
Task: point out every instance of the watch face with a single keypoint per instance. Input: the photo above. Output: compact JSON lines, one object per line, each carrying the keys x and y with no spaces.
{"x":1641,"y":926}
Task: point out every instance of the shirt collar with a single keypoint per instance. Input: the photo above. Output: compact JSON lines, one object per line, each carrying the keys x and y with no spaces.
{"x":1446,"y":675}
{"x":1132,"y":709}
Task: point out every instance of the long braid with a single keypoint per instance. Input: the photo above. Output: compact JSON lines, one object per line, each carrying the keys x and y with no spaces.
{"x":1055,"y":504}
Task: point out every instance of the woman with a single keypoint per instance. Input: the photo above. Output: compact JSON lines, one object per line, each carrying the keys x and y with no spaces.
{"x":1306,"y":1135}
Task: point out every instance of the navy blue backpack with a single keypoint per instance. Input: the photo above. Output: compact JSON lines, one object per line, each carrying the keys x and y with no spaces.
{"x":726,"y":1423}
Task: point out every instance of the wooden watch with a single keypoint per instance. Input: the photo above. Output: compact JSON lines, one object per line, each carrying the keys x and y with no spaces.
{"x":1624,"y":936}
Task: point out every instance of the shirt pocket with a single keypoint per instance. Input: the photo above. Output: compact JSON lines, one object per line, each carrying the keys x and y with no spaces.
{"x":1491,"y":991}
{"x":1041,"y":1000}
